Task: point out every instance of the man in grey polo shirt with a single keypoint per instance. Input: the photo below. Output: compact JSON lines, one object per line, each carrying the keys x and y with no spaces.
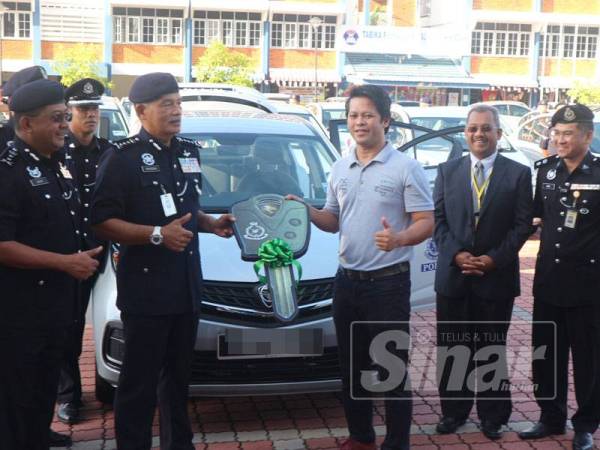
{"x":380,"y":202}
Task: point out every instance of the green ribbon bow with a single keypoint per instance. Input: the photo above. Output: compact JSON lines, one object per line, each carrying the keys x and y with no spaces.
{"x":275,"y":253}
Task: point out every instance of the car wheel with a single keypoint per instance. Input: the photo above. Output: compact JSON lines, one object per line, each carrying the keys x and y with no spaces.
{"x":105,"y":392}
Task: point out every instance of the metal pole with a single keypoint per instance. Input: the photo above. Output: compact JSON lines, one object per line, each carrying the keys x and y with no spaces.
{"x":316,"y":70}
{"x":315,"y":22}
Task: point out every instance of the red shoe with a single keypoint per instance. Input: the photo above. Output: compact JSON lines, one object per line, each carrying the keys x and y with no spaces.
{"x":353,"y":444}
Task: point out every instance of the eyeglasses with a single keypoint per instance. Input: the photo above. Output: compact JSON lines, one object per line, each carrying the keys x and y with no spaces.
{"x":483,"y":128}
{"x":555,"y":134}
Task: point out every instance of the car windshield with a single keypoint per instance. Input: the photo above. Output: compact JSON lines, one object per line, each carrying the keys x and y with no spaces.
{"x":332,"y":114}
{"x":112,"y":125}
{"x":236,"y":166}
{"x":439,"y":123}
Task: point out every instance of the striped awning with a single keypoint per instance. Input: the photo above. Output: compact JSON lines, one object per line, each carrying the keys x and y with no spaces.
{"x":407,"y":70}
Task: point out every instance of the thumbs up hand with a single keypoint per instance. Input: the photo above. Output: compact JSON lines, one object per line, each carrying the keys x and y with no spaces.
{"x":175,"y":236}
{"x":387,"y":239}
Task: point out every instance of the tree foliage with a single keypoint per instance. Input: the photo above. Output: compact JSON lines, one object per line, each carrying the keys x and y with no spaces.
{"x":79,"y":61}
{"x":222,"y":65}
{"x":585,"y":94}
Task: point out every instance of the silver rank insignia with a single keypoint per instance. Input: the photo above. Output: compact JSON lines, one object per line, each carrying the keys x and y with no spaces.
{"x":148,"y":159}
{"x":551,"y":175}
{"x":65,"y":172}
{"x":34,"y":172}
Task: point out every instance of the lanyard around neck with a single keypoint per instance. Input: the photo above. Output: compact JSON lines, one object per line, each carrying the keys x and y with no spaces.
{"x":479,"y":191}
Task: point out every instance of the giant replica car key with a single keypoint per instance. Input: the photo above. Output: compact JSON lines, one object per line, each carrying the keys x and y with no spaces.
{"x":274,"y":232}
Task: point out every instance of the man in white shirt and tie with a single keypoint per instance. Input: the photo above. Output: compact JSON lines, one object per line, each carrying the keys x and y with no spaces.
{"x":483,"y":214}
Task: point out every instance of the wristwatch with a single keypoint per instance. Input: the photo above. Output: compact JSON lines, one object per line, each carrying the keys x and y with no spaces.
{"x":156,"y":237}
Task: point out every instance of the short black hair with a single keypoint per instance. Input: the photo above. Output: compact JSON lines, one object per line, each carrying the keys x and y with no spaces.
{"x":377,"y":95}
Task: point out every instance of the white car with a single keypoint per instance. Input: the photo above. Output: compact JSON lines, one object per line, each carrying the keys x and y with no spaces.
{"x":510,"y":111}
{"x":240,"y":151}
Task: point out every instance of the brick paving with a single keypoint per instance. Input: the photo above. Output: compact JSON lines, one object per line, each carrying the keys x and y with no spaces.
{"x":316,"y":421}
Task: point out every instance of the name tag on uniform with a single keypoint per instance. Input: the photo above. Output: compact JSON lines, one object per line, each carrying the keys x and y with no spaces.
{"x":150,"y":169}
{"x":168,"y":205}
{"x":570,"y":219}
{"x":39,"y":181}
{"x":548,"y":186}
{"x":585,"y":187}
{"x":189,"y":165}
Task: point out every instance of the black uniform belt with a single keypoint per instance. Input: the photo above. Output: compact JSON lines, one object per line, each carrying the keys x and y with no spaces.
{"x":394,"y":269}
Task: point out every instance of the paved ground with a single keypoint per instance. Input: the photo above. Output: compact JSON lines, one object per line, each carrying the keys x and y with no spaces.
{"x":317,"y":421}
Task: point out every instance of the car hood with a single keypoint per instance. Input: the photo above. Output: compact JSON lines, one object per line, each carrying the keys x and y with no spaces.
{"x":221,"y":258}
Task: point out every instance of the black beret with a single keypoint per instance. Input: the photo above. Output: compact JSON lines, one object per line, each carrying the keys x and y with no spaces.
{"x":35,"y":95}
{"x":86,"y":91}
{"x":22,"y":77}
{"x":573,"y":114}
{"x":152,"y":86}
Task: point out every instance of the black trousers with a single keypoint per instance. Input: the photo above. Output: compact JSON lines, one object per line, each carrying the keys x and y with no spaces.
{"x":578,"y":330}
{"x":464,"y":336}
{"x":69,"y":385}
{"x":33,"y":382}
{"x":385,"y":299}
{"x":157,"y":360}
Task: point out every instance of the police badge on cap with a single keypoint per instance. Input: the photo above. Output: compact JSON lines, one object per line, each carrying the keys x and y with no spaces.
{"x":84,"y":92}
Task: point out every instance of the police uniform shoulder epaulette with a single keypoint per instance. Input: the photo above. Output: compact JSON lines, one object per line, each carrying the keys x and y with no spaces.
{"x":545,"y":161}
{"x":10,"y":156}
{"x":188,"y":141}
{"x":126,"y":143}
{"x":595,"y":160}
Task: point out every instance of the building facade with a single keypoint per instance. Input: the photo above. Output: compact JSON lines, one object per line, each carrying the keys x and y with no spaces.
{"x":440,"y":51}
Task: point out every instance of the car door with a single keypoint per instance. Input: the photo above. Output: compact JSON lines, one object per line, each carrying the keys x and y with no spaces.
{"x":430,"y":148}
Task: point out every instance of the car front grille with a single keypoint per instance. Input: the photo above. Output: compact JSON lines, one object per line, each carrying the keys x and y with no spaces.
{"x":207,"y":369}
{"x":241,"y":302}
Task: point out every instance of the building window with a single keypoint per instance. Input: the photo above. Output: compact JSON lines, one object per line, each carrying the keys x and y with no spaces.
{"x":227,"y":32}
{"x":147,"y":25}
{"x":233,"y":29}
{"x":425,"y":8}
{"x":587,"y":41}
{"x":133,"y":29}
{"x":295,"y":31}
{"x":501,"y":39}
{"x":476,"y":43}
{"x":304,"y":35}
{"x":253,"y":34}
{"x":568,"y":41}
{"x":276,"y":34}
{"x":550,"y":41}
{"x":176,"y":31}
{"x":16,"y":20}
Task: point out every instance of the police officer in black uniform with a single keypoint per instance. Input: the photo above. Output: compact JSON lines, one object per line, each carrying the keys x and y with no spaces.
{"x":40,"y":261}
{"x":82,"y":154}
{"x":146,"y":199}
{"x":567,"y":279}
{"x":18,"y":79}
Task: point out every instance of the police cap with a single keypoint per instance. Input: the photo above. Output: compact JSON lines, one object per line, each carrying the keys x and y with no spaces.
{"x":86,"y":91}
{"x":22,"y":77}
{"x":36,"y":94}
{"x":152,"y":86}
{"x":573,"y":114}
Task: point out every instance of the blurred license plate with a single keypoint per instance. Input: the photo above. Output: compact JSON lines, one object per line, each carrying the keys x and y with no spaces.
{"x":269,"y":343}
